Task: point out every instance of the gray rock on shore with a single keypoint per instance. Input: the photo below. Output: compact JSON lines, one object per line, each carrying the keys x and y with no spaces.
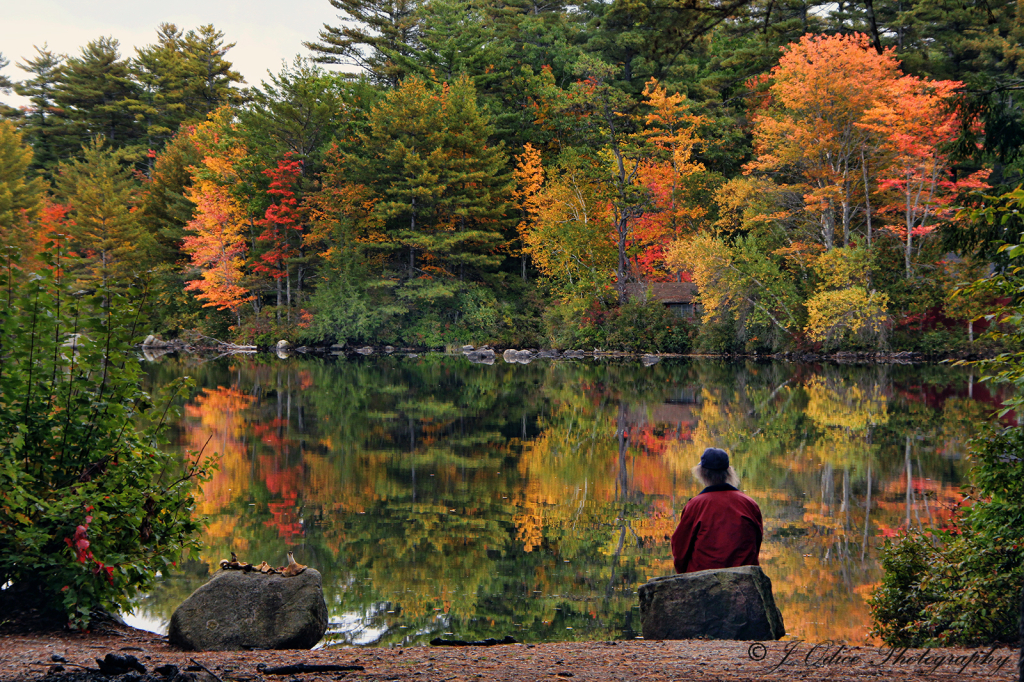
{"x":728,"y":603}
{"x":236,"y":610}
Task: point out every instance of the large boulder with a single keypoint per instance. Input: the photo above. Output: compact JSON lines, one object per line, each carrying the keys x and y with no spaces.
{"x":249,"y":610}
{"x":727,"y":603}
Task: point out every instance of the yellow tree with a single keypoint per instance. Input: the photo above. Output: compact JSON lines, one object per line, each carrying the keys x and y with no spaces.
{"x":529,"y":177}
{"x":570,"y":237}
{"x":20,"y":197}
{"x":843,"y":307}
{"x":606,"y":210}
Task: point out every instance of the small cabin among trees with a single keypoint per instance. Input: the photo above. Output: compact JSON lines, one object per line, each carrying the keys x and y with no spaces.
{"x":678,"y":297}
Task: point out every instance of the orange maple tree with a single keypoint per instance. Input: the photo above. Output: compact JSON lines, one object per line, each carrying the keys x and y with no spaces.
{"x":216,"y":246}
{"x":807,"y":126}
{"x":917,"y":125}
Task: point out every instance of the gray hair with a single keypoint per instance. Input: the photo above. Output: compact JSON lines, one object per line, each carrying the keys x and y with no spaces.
{"x":710,"y":477}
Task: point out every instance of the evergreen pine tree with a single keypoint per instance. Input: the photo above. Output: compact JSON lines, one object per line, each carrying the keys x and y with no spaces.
{"x":455,"y":38}
{"x":210,"y":78}
{"x":476,"y":180}
{"x":41,"y":121}
{"x":91,"y":93}
{"x":104,"y":226}
{"x":5,"y":89}
{"x":442,"y":189}
{"x":5,"y":82}
{"x":377,"y":36}
{"x":298,"y":110}
{"x":160,"y":72}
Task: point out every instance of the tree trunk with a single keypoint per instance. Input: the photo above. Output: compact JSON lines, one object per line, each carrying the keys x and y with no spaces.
{"x":412,"y":249}
{"x":847,"y":203}
{"x":828,"y":228}
{"x":910,"y":230}
{"x":906,"y":255}
{"x":867,"y":187}
{"x":621,"y":274}
{"x":876,"y":40}
{"x":277,"y":312}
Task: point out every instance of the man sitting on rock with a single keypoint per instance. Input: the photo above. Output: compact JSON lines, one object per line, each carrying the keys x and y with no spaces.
{"x":720,"y":527}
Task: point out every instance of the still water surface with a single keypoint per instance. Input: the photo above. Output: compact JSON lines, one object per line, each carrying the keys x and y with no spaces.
{"x":442,"y":498}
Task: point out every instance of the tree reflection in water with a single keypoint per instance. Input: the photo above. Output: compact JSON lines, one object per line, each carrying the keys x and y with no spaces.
{"x":442,"y":497}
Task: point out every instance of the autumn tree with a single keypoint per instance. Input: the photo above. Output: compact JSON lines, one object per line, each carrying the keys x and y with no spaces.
{"x":601,"y":119}
{"x":215,"y":237}
{"x":675,"y":180}
{"x":917,"y":126}
{"x":529,"y":177}
{"x":566,"y":228}
{"x":622,"y":183}
{"x":843,"y":307}
{"x":282,"y":224}
{"x":217,"y":248}
{"x":809,"y":130}
{"x":742,"y":288}
{"x":20,"y":196}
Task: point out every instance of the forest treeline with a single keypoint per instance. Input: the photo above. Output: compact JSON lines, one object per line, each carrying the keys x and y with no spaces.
{"x":502,"y":172}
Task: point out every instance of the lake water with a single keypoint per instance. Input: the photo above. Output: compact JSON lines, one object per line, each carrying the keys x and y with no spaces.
{"x":442,"y":498}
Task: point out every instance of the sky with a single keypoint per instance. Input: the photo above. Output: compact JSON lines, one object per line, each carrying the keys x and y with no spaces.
{"x":267,"y":32}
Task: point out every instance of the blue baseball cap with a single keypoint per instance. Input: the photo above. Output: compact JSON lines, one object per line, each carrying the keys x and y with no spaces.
{"x":714,"y":459}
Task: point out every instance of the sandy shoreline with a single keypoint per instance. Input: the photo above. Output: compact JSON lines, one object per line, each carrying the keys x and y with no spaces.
{"x":30,"y":657}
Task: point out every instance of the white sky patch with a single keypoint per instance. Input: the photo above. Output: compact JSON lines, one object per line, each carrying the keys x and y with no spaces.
{"x":267,"y":33}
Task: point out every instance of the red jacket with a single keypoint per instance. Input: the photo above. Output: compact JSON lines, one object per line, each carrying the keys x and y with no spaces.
{"x":719,"y":528}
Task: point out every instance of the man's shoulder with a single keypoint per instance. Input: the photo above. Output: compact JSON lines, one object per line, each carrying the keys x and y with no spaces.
{"x":722,"y":496}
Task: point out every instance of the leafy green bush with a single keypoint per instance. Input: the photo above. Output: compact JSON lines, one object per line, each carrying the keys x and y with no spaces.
{"x":961,"y":586}
{"x":647,"y":327}
{"x":90,"y":507}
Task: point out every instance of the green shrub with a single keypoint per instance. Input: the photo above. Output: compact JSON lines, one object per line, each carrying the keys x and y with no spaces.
{"x":647,"y":327}
{"x":90,"y":507}
{"x":961,"y":586}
